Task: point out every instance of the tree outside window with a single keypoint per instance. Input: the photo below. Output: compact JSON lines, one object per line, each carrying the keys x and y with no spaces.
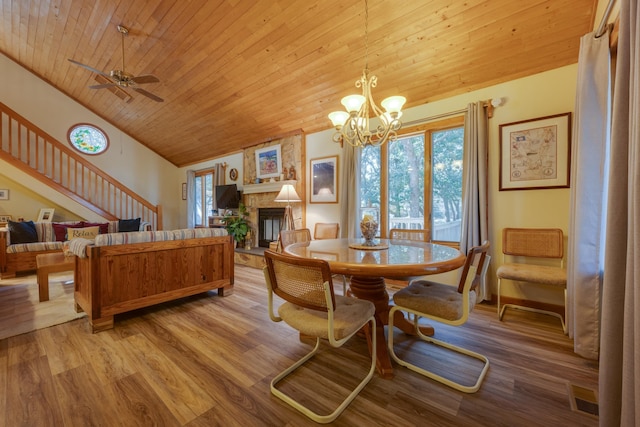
{"x":422,"y":176}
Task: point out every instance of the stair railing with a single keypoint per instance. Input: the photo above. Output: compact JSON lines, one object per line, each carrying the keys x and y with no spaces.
{"x":29,"y":148}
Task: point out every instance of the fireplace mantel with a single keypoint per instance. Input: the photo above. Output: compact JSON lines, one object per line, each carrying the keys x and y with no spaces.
{"x":265,"y":187}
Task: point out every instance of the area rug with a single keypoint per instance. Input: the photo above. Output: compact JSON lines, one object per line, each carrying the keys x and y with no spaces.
{"x":22,"y":312}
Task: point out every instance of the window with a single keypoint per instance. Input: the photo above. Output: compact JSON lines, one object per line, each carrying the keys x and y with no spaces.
{"x":416,"y":181}
{"x":88,"y":139}
{"x":204,"y":196}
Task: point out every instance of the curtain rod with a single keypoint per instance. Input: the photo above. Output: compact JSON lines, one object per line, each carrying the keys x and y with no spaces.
{"x":489,"y":104}
{"x":439,"y":116}
{"x":603,"y":23}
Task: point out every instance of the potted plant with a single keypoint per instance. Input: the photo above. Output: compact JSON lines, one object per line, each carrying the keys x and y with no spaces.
{"x":237,"y":226}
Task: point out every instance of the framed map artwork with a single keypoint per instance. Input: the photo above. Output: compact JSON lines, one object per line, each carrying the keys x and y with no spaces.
{"x":535,"y":153}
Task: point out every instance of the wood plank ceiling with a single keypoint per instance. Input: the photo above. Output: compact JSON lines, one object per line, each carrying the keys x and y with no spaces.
{"x":235,"y":73}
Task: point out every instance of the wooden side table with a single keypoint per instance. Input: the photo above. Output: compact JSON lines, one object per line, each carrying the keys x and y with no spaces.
{"x":51,"y":263}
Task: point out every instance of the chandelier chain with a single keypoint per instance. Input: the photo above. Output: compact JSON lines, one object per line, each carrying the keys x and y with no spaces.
{"x":366,"y":34}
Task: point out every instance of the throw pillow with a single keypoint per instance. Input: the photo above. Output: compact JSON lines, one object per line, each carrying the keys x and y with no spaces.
{"x":85,"y":233}
{"x":125,"y":225}
{"x":22,"y":232}
{"x":60,"y":230}
{"x":104,"y":226}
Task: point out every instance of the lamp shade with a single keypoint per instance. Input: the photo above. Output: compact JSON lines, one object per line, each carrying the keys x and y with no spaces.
{"x":288,"y":194}
{"x":353,"y":103}
{"x":393,"y":104}
{"x":338,"y":118}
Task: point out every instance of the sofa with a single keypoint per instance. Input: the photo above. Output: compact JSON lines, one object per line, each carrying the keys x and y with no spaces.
{"x":49,"y":237}
{"x":120,"y":272}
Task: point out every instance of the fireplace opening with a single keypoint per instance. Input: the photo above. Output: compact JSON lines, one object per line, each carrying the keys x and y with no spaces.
{"x":269,"y":222}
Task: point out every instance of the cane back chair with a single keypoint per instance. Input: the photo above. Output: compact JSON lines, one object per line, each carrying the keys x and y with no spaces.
{"x":530,"y":245}
{"x":314,"y":310}
{"x":447,"y":304}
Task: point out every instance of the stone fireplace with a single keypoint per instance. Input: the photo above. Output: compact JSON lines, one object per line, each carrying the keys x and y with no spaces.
{"x":259,"y":196}
{"x":259,"y":199}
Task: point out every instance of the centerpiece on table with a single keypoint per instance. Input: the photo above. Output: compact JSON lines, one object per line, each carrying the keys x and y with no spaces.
{"x":369,"y":229}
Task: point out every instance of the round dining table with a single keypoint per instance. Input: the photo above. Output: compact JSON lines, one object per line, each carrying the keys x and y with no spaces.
{"x":369,"y":265}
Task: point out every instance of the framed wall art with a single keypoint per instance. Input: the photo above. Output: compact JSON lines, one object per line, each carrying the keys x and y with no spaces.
{"x":268,"y":162}
{"x":324,"y":180}
{"x":535,"y":153}
{"x":45,"y":215}
{"x":4,"y":194}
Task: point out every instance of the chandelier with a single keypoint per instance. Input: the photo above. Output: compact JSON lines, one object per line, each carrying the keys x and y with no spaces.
{"x":352,"y":125}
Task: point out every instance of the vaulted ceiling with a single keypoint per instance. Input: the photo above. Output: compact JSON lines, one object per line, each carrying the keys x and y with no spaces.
{"x":238,"y":72}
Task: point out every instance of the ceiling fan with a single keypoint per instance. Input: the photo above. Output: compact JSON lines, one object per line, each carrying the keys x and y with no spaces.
{"x":120,"y":78}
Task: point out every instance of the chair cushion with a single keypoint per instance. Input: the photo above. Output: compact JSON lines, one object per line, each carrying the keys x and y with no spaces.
{"x":349,"y":316}
{"x":33,"y":247}
{"x":22,"y":232}
{"x":533,"y":273}
{"x":434,"y":299}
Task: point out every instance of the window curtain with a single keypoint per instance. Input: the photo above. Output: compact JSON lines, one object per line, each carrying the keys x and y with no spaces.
{"x":218,"y":174}
{"x":218,"y":179}
{"x":349,"y":192}
{"x":191,"y":199}
{"x":589,"y":154}
{"x":619,"y":381}
{"x":474,"y":184}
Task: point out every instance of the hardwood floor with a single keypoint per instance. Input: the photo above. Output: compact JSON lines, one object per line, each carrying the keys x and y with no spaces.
{"x":208,"y":361}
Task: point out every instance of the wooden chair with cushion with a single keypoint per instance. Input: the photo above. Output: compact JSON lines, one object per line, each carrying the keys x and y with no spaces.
{"x":325,"y":230}
{"x":531,"y":245}
{"x":408,"y":234}
{"x":314,"y":310}
{"x":447,"y":304}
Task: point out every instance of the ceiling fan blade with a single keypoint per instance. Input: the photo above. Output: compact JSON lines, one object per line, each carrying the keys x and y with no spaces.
{"x":90,"y":68}
{"x":148,"y":94}
{"x":102,"y":86}
{"x":147,"y":78}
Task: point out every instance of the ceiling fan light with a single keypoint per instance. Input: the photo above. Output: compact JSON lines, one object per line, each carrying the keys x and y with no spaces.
{"x":393,"y":104}
{"x":353,"y":103}
{"x":338,"y":118}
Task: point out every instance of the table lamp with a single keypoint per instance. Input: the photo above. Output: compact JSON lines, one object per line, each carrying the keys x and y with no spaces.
{"x":288,"y":194}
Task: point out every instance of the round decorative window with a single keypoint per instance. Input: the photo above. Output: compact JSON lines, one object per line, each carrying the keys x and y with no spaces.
{"x":88,"y":139}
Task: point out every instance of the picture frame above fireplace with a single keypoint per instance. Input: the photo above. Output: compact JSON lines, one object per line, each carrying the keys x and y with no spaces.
{"x":268,"y":162}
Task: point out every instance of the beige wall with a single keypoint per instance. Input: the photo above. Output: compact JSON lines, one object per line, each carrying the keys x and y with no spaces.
{"x":25,"y":203}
